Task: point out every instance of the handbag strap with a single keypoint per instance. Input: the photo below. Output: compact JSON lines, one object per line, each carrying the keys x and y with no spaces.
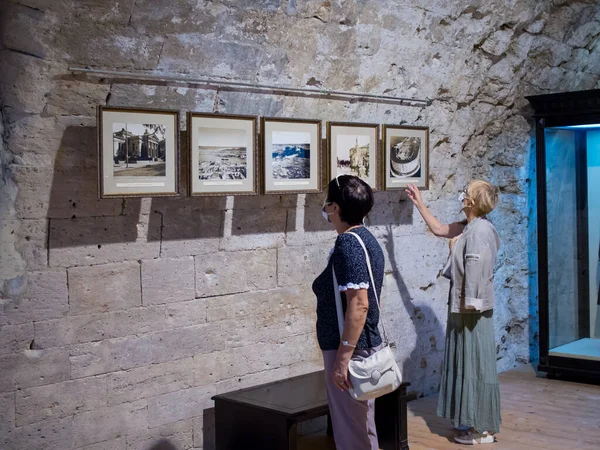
{"x":338,"y":296}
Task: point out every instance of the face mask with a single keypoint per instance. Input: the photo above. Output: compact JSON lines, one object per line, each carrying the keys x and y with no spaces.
{"x":324,"y":213}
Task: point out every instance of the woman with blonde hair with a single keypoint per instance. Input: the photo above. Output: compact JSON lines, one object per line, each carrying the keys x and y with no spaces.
{"x":469,"y":391}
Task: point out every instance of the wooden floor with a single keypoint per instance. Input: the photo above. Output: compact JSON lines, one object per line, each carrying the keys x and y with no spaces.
{"x":537,"y":413}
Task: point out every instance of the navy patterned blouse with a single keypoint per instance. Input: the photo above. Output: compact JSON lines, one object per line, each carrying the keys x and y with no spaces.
{"x":348,"y":259}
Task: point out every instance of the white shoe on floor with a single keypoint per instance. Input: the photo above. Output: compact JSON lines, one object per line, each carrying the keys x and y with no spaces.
{"x":472,"y":438}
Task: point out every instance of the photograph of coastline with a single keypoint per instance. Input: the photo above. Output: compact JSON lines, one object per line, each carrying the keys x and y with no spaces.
{"x":227,"y":161}
{"x":290,"y":152}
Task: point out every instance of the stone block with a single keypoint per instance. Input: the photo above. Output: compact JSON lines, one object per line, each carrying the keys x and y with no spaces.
{"x":255,"y":379}
{"x":104,"y":288}
{"x":179,"y":17}
{"x":228,"y":272}
{"x":186,"y":342}
{"x":7,"y":413}
{"x":188,"y":231}
{"x":59,"y":400}
{"x":49,"y":435}
{"x":313,"y":364}
{"x":98,"y":240}
{"x":272,"y":303}
{"x":62,"y":193}
{"x":186,"y":314}
{"x":268,"y":328}
{"x":15,"y":338}
{"x":33,"y":243}
{"x":45,"y":297}
{"x":18,"y":17}
{"x":25,"y":82}
{"x":75,"y":98}
{"x":225,"y":58}
{"x":113,"y":444}
{"x":110,"y":355}
{"x":254,"y":229}
{"x":96,"y":327}
{"x":237,"y":362}
{"x":101,"y":46}
{"x":300,"y":266}
{"x":167,"y":280}
{"x":32,"y":368}
{"x":37,"y":135}
{"x":178,"y":435}
{"x":179,"y":405}
{"x":111,"y":422}
{"x":150,"y":381}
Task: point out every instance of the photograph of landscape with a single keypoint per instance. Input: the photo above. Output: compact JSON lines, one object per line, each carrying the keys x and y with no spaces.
{"x":290,"y":155}
{"x":222,"y":154}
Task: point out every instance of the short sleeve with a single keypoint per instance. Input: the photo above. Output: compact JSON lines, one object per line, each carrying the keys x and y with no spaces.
{"x":350,"y":264}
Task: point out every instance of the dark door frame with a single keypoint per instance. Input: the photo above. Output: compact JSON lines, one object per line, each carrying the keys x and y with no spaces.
{"x":556,"y":110}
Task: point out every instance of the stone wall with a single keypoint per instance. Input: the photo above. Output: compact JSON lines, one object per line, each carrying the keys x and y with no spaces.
{"x":121,"y":318}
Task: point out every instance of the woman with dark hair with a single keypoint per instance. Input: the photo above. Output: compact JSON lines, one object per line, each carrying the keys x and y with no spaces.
{"x":349,"y":200}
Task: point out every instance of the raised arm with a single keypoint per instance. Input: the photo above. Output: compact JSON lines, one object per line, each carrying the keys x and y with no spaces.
{"x":439,"y":229}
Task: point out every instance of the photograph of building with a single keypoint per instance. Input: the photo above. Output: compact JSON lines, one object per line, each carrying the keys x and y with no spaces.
{"x":139,"y":150}
{"x":353,"y":154}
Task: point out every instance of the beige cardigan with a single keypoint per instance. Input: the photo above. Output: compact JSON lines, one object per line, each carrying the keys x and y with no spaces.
{"x":471,"y":268}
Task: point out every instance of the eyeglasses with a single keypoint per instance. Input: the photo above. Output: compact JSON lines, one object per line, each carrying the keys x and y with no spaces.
{"x":339,"y":187}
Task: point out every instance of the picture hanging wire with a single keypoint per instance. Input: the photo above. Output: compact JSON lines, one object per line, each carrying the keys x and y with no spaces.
{"x":262,"y":88}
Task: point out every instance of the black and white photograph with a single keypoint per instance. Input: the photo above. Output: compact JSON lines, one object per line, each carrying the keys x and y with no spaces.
{"x":138,"y":151}
{"x":352,"y":149}
{"x":291,"y":155}
{"x":405,"y":160}
{"x":226,"y":158}
{"x":405,"y":153}
{"x":291,"y":160}
{"x":223,"y":154}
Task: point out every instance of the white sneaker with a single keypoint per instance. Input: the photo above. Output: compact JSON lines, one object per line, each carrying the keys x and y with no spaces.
{"x":472,"y":438}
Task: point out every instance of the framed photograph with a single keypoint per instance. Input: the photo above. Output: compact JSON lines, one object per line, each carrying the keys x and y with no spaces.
{"x":291,"y":151}
{"x":405,"y":157}
{"x":138,"y":152}
{"x":223,"y":154}
{"x":353,"y":149}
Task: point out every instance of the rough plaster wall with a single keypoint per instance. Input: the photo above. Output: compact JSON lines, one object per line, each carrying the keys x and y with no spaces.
{"x":121,"y":318}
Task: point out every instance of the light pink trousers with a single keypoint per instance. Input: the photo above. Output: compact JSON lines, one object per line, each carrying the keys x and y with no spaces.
{"x":353,"y":421}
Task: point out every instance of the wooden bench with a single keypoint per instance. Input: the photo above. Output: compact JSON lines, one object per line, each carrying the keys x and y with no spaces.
{"x":266,"y":417}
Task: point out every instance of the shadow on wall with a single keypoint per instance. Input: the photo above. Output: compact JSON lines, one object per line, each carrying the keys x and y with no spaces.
{"x":163,"y":444}
{"x":81,"y":219}
{"x":427,"y":326}
{"x":422,"y":332}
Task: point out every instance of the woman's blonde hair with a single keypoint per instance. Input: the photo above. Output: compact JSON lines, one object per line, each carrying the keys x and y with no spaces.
{"x":483,"y":195}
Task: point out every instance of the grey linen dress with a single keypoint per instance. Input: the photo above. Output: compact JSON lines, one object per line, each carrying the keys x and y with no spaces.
{"x":469,"y":391}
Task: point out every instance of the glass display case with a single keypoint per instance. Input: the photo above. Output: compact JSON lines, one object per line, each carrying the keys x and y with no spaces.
{"x":568,"y":197}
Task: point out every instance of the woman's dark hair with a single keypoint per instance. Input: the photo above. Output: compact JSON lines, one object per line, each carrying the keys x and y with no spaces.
{"x":353,"y":196}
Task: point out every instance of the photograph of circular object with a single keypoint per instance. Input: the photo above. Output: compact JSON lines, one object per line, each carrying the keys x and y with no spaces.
{"x":405,"y":158}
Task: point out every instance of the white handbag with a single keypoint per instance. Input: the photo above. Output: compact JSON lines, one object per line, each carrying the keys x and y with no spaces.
{"x":375,"y":375}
